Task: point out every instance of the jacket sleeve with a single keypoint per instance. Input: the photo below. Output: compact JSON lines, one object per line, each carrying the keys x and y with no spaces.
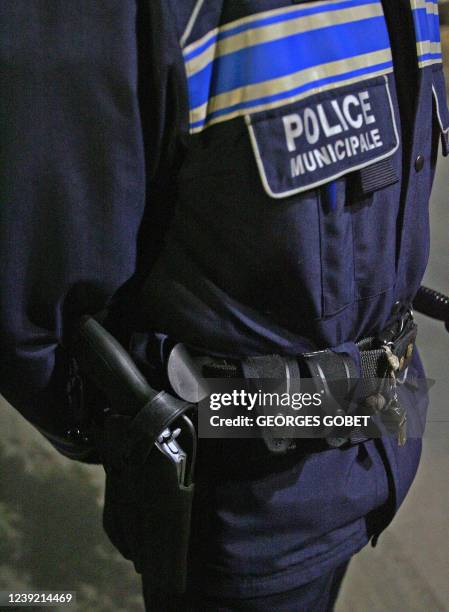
{"x":72,"y":186}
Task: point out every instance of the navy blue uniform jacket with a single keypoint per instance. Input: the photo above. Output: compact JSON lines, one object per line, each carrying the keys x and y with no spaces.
{"x":252,"y":167}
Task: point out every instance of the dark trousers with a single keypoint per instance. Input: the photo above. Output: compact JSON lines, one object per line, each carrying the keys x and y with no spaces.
{"x":319,"y":595}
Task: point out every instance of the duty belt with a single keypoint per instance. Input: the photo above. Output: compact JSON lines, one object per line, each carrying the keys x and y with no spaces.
{"x":384,"y":359}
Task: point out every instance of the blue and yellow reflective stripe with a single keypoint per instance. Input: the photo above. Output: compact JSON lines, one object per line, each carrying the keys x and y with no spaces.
{"x":268,"y":18}
{"x":296,"y":87}
{"x":427,"y":27}
{"x":277,"y":24}
{"x":272,"y":58}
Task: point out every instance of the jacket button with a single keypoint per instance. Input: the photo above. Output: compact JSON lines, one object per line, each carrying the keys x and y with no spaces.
{"x":419,"y":163}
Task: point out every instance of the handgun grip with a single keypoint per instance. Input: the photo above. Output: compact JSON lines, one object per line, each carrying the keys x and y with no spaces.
{"x":103,"y":359}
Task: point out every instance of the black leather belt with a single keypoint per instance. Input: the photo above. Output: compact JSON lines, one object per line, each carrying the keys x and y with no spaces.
{"x":384,"y":358}
{"x":399,"y":337}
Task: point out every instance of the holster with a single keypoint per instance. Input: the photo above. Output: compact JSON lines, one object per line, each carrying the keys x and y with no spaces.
{"x":147,"y":512}
{"x":148,"y":501}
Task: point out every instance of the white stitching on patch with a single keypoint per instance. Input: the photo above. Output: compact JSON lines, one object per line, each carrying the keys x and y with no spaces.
{"x":291,"y":192}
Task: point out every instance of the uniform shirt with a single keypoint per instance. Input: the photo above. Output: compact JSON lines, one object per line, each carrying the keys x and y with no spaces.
{"x":260,"y":170}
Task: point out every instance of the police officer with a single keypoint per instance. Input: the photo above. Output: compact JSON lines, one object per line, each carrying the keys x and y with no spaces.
{"x":248,"y":178}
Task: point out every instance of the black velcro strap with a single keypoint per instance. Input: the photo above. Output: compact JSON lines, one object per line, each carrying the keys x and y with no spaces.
{"x":378,"y":176}
{"x":374,"y":366}
{"x":264,"y":366}
{"x":374,"y":363}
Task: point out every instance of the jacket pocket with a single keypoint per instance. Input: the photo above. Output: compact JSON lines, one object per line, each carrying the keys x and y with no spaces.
{"x":375,"y":218}
{"x":342,"y":147}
